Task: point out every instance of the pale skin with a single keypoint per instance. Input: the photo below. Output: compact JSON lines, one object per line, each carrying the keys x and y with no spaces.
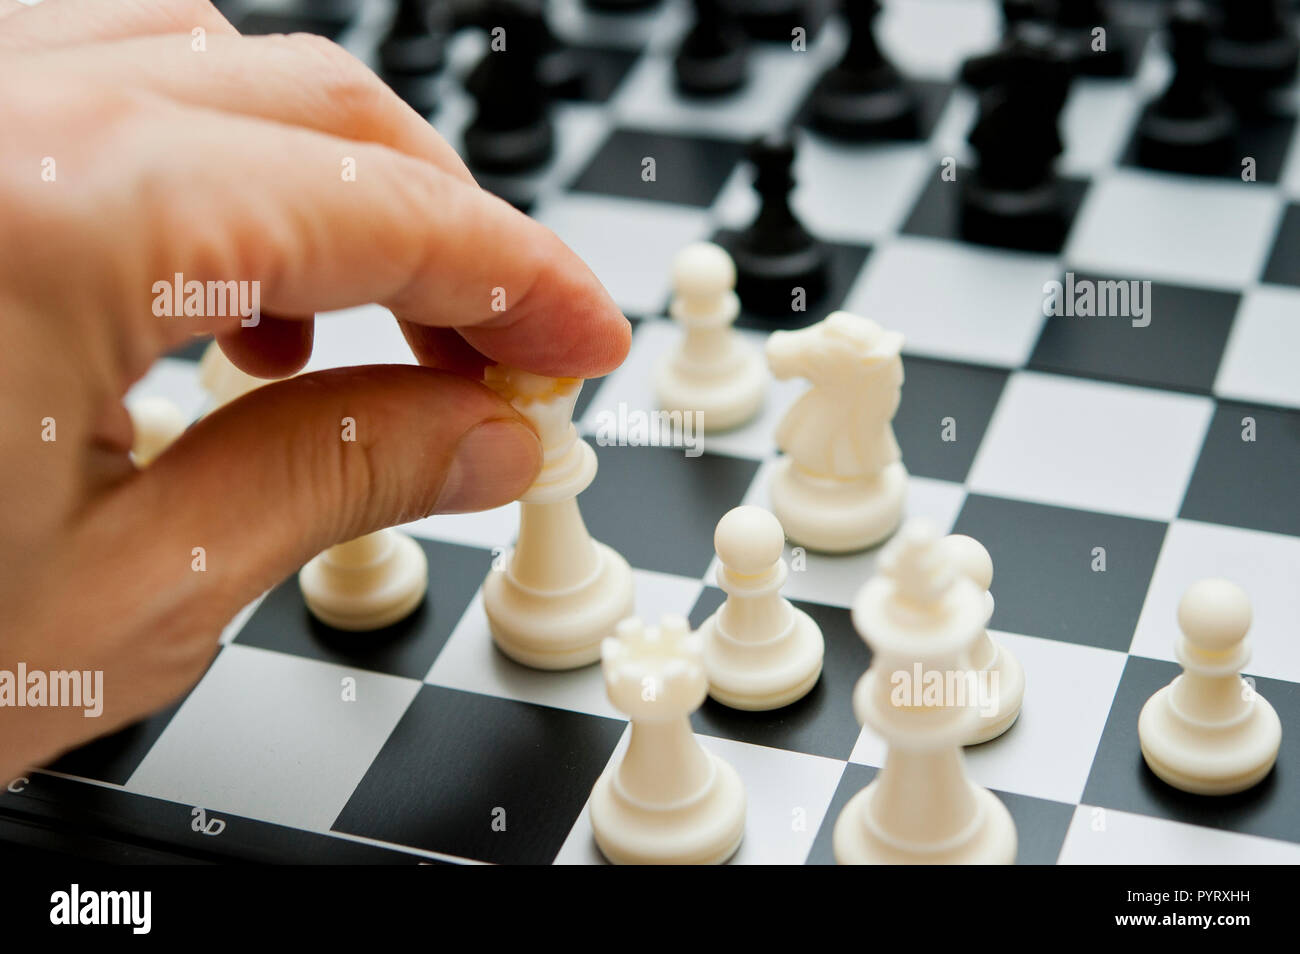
{"x":226,"y":163}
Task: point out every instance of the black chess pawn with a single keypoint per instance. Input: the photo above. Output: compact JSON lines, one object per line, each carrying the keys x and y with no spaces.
{"x":1254,"y":52}
{"x":1013,"y":196}
{"x":775,"y":20}
{"x":778,"y":262}
{"x":979,"y":71}
{"x":1190,"y":127}
{"x":511,"y":131}
{"x":863,"y":96}
{"x":713,"y":58}
{"x":413,"y":51}
{"x":1087,"y":26}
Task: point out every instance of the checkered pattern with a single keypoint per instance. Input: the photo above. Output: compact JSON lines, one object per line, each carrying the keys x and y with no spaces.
{"x":1077,"y":440}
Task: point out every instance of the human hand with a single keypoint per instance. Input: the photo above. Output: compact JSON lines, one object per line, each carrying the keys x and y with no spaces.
{"x":226,"y":163}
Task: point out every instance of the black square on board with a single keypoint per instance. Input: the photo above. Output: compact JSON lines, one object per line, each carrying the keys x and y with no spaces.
{"x":688,"y":170}
{"x":1284,"y":262}
{"x":822,"y":722}
{"x":845,"y":264}
{"x":457,"y":762}
{"x":266,"y":22}
{"x":1248,"y":483}
{"x":937,"y":214}
{"x":407,"y":648}
{"x":1044,"y":583}
{"x":934,"y":391}
{"x":658,"y":507}
{"x":1041,"y":825}
{"x":1179,"y":347}
{"x":1121,"y":780}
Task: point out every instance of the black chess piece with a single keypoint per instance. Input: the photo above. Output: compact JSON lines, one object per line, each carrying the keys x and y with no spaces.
{"x":1190,"y":127}
{"x":1254,"y":52}
{"x":774,"y":20}
{"x":413,"y":51}
{"x":334,"y":13}
{"x":979,"y":71}
{"x":863,"y":96}
{"x":775,"y":256}
{"x":1013,"y":197}
{"x":1087,"y":26}
{"x":511,"y":131}
{"x":713,"y":58}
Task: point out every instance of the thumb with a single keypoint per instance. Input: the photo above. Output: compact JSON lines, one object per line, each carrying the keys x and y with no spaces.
{"x":269,"y":480}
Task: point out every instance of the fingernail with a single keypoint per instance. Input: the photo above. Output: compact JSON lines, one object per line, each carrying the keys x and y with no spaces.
{"x":493,"y":464}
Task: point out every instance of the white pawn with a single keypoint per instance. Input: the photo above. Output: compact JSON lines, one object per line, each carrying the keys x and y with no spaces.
{"x":1001,"y":675}
{"x":714,"y":371}
{"x":842,"y":484}
{"x":1208,"y":732}
{"x":921,"y":618}
{"x":557,"y":593}
{"x":157,"y":422}
{"x":367,"y":583}
{"x":759,"y":650}
{"x":667,"y":800}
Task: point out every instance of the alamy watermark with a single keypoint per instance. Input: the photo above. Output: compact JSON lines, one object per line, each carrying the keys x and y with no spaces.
{"x":633,"y":427}
{"x":55,"y":689}
{"x":1088,"y":298}
{"x":953,"y":688}
{"x":179,"y":298}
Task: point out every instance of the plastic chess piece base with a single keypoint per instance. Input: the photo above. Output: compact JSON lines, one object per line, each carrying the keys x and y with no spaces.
{"x":1011,"y":696}
{"x":763,"y":676}
{"x":559,"y":631}
{"x":1246,"y":71}
{"x":509,"y":150}
{"x":838,"y":516}
{"x":707,"y":76}
{"x":991,"y":842}
{"x":845,"y":111}
{"x":1208,"y":760}
{"x":728,"y":400}
{"x":1197,"y":146}
{"x":706,"y":830}
{"x":1012,"y":218}
{"x":360,"y":597}
{"x":766,"y":282}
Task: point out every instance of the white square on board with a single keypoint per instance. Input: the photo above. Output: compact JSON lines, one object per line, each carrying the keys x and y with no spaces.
{"x":1262,"y":359}
{"x":629,"y":244}
{"x":1104,"y":836}
{"x":1091,"y":445}
{"x":956,"y":301}
{"x":1165,"y":227}
{"x":1266,"y":565}
{"x":269,"y":736}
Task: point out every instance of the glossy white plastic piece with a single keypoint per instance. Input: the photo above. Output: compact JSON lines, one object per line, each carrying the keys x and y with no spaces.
{"x":1208,"y":732}
{"x":666,"y":800}
{"x":1001,"y":672}
{"x":921,"y":617}
{"x":557,"y":593}
{"x":842,"y":483}
{"x":157,"y":422}
{"x":367,"y":583}
{"x":713,"y":372}
{"x":760,"y":651}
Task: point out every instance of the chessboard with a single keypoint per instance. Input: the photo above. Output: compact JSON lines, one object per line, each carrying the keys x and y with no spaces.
{"x":1105,"y":466}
